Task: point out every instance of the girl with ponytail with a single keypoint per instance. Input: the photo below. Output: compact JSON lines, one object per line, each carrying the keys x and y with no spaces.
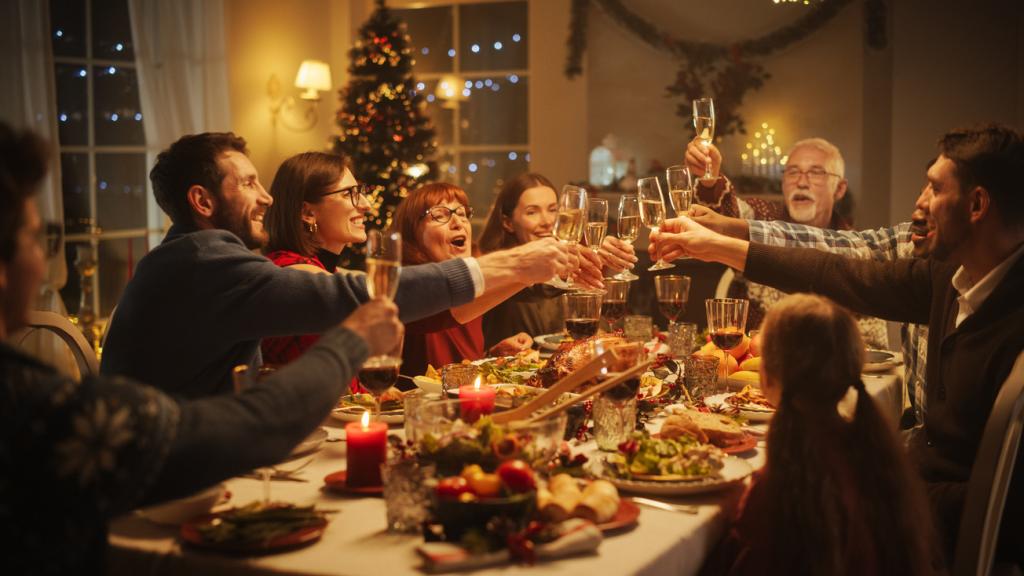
{"x":837,"y":495}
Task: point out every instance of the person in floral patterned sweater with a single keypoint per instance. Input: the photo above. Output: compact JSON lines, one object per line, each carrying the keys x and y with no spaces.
{"x":72,"y":455}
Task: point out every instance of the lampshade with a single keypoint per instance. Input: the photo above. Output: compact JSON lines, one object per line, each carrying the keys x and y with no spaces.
{"x":314,"y":76}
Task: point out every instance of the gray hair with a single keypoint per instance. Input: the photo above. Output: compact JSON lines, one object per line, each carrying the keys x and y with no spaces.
{"x":835,"y":163}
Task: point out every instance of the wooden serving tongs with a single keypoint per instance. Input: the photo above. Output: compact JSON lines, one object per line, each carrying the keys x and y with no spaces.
{"x":600,"y":364}
{"x":603,"y":386}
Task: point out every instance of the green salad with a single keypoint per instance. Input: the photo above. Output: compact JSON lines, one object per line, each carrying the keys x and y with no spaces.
{"x":680,"y":458}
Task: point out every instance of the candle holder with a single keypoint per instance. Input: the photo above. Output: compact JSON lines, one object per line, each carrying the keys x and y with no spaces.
{"x":365,"y":451}
{"x":408,"y":485}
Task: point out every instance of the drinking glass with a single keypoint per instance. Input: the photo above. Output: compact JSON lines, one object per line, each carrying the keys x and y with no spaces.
{"x":704,"y":124}
{"x":672,"y":292}
{"x":570,"y":223}
{"x":727,"y":320}
{"x":628,"y":228}
{"x":407,"y":486}
{"x":680,"y":190}
{"x":242,"y":377}
{"x":597,"y":223}
{"x":613,"y":306}
{"x":614,"y":410}
{"x":383,"y":264}
{"x":637,"y":328}
{"x":582,"y":314}
{"x":681,"y":337}
{"x":652,"y":212}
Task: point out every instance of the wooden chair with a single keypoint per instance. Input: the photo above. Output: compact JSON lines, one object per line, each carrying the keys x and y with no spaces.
{"x":990,"y":479}
{"x":84,"y":355}
{"x":722,"y":290}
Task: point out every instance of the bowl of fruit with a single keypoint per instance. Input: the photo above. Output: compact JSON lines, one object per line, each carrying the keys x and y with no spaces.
{"x":480,"y":509}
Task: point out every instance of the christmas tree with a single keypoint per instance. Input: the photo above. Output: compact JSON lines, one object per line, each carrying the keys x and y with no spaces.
{"x":385,"y":131}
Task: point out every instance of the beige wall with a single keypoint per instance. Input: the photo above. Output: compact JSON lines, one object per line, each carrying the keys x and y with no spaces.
{"x":272,"y":37}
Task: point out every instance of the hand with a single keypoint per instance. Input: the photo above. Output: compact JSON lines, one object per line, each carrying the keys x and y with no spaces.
{"x":681,"y":236}
{"x":589,"y":273}
{"x":697,"y":158}
{"x":512,"y":345}
{"x":735,"y":227}
{"x":617,"y":255}
{"x":377,"y":323}
{"x":540,"y":260}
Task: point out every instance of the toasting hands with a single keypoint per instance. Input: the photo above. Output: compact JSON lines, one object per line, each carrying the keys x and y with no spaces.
{"x":377,"y":323}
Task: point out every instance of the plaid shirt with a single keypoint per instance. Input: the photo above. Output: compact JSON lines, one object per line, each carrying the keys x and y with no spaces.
{"x":881,"y":244}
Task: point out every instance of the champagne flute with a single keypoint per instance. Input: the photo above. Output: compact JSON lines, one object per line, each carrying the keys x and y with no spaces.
{"x":704,"y":124}
{"x":727,"y":320}
{"x":628,"y":228}
{"x":680,"y":190}
{"x":570,"y":223}
{"x":652,"y":212}
{"x":672,"y":292}
{"x":243,"y":377}
{"x":613,"y":306}
{"x":582,"y":314}
{"x":383,"y":266}
{"x":597,"y":223}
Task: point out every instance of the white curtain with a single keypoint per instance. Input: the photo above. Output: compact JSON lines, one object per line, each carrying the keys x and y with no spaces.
{"x":182,"y":69}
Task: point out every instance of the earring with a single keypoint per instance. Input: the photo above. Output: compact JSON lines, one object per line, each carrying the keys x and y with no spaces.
{"x":312,"y":228}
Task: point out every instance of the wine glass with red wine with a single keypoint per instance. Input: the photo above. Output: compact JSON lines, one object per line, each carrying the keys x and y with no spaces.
{"x":582,"y":314}
{"x":383,"y":264}
{"x":727,"y":320}
{"x":672,"y":291}
{"x":613,"y":305}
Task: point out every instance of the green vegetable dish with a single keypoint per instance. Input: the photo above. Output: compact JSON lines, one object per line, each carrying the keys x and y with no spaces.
{"x":645,"y":458}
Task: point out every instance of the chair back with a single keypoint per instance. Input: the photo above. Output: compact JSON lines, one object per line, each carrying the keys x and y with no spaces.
{"x":722,"y":290}
{"x":990,"y":478}
{"x":84,"y":355}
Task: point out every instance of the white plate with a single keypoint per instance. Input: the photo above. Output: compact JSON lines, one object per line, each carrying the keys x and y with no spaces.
{"x":751,"y":414}
{"x":428,"y":385}
{"x":550,"y":341}
{"x":355,"y":414}
{"x":312,"y":443}
{"x":735,"y":470}
{"x":879,"y":361}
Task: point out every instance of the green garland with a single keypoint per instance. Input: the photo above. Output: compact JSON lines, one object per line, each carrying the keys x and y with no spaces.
{"x":724,"y":70}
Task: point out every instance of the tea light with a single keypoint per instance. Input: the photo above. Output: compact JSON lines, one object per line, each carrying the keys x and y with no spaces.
{"x":366,"y":449}
{"x":475,"y":400}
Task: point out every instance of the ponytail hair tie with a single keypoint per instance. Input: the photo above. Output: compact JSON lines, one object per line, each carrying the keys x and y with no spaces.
{"x":858,"y":385}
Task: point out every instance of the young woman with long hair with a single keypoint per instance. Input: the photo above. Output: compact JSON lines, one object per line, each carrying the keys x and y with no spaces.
{"x":837,"y":494}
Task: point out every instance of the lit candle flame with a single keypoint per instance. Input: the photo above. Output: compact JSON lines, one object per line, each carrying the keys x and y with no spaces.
{"x":476,"y":383}
{"x":366,"y":419}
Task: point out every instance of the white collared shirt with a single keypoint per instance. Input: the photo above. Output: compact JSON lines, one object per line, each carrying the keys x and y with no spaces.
{"x":476,"y":274}
{"x":972,"y":296}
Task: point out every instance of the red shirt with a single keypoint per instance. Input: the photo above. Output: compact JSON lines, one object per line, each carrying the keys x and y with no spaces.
{"x":440,"y":340}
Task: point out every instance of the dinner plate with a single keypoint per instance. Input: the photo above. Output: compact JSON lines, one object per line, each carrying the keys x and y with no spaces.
{"x":551,"y":341}
{"x":355,"y":414}
{"x":625,"y":517}
{"x":878,"y":361}
{"x":428,"y":385}
{"x":751,"y":412}
{"x":734,"y":470}
{"x":296,"y":538}
{"x":312,"y":443}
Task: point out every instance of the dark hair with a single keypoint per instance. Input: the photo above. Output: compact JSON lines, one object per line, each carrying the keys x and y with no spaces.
{"x":825,"y":475}
{"x":410,"y":213}
{"x":990,"y":156}
{"x":302,"y":178}
{"x":495,"y":237}
{"x":23,"y":164}
{"x":190,"y":161}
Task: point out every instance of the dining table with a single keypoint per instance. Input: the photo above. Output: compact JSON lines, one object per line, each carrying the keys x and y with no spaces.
{"x":356,"y":541}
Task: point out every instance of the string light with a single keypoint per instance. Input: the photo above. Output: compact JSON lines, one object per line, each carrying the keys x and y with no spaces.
{"x":516,"y":37}
{"x":763,"y":156}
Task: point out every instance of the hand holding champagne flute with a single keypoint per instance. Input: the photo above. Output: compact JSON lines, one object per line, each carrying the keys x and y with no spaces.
{"x":383,"y":267}
{"x":704,"y":124}
{"x":628,"y":228}
{"x":570,"y":223}
{"x":652,"y":212}
{"x":597,"y":223}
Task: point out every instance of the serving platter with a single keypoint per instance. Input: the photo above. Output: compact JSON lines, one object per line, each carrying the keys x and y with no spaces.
{"x":734,"y":470}
{"x":751,"y":412}
{"x":879,"y":361}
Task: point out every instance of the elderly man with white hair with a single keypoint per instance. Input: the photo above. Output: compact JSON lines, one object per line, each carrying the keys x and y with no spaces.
{"x":813,"y":183}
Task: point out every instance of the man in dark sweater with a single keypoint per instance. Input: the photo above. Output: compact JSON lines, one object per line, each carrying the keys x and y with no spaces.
{"x":200,"y":302}
{"x":975,"y":310}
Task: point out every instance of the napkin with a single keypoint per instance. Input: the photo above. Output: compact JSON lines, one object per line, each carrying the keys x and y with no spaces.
{"x":576,"y":537}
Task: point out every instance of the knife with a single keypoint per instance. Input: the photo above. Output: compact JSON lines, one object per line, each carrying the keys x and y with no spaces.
{"x":685,"y":508}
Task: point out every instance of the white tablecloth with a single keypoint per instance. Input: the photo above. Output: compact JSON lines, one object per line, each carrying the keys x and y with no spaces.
{"x":356,"y":542}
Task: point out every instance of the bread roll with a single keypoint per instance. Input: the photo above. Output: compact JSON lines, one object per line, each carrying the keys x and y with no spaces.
{"x":600,"y":502}
{"x":565,"y":495}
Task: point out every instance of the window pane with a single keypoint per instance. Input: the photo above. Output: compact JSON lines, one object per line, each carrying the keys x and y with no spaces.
{"x":72,"y":104}
{"x":121,"y":191}
{"x":493,"y":36}
{"x":495,"y":112}
{"x":442,"y":118}
{"x":430,"y":30}
{"x":111,"y":30}
{"x":116,"y":110}
{"x":448,"y":169}
{"x":483,"y":173}
{"x":67,"y":27}
{"x":74,"y":175}
{"x":118,"y":259}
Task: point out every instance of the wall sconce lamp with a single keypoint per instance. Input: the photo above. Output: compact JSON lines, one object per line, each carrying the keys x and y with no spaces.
{"x":314,"y":77}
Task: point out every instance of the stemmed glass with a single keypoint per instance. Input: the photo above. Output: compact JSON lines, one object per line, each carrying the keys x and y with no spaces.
{"x":243,"y":377}
{"x":652,"y":212}
{"x":569,"y":224}
{"x":383,"y":265}
{"x":597,"y":223}
{"x":672,"y":292}
{"x":680,"y":189}
{"x":628,"y":228}
{"x":704,"y":124}
{"x":582,"y":314}
{"x":613,"y":306}
{"x":727,"y":320}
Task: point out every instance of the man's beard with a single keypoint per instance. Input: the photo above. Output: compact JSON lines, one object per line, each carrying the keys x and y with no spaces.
{"x":804,"y":213}
{"x":240,"y":225}
{"x":945,"y":242}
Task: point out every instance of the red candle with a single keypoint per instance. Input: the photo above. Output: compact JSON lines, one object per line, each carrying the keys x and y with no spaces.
{"x":475,"y":401}
{"x":366,"y":448}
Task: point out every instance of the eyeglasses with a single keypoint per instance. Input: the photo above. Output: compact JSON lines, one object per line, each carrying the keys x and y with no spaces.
{"x":815,"y":175}
{"x":443,"y":214}
{"x":50,"y":237}
{"x":355,"y":193}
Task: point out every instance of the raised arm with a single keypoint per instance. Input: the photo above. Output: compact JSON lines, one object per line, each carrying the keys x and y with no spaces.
{"x":879,"y":244}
